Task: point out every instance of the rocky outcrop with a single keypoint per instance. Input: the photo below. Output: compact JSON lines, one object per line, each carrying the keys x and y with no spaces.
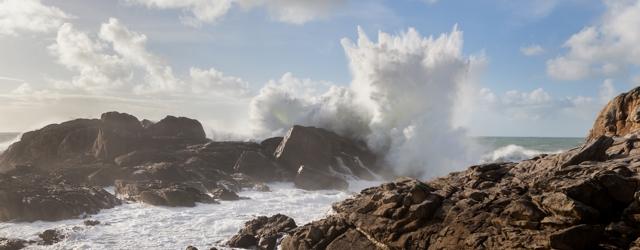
{"x":31,"y":197}
{"x":324,"y":154}
{"x":161,"y":193}
{"x":262,"y":232}
{"x":12,"y":244}
{"x":584,"y":198}
{"x":619,"y":117}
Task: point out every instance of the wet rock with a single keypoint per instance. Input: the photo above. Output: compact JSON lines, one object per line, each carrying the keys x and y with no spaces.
{"x":312,"y":179}
{"x":224,"y":194}
{"x":324,"y":153}
{"x":161,"y":193}
{"x":12,"y":244}
{"x":262,"y":232}
{"x":51,"y":236}
{"x":35,"y":197}
{"x":258,"y":166}
{"x":91,"y":223}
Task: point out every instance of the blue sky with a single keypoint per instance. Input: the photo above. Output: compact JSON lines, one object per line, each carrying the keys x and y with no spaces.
{"x":255,"y":42}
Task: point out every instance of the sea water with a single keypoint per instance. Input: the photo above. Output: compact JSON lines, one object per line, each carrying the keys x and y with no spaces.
{"x":141,"y":226}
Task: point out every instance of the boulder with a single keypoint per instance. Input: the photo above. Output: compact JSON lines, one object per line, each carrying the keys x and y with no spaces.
{"x":619,"y":117}
{"x":160,"y":193}
{"x":258,"y":166}
{"x":324,"y":152}
{"x":51,"y":236}
{"x":33,"y":197}
{"x":312,"y":179}
{"x":177,"y":128}
{"x":262,"y":232}
{"x":12,"y":244}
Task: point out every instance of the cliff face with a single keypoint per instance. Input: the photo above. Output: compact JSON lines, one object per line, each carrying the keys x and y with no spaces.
{"x":585,"y":198}
{"x":619,"y":117}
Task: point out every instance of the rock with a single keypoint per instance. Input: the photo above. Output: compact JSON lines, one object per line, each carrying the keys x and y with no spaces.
{"x":51,"y":236}
{"x":619,"y":117}
{"x":140,"y":157}
{"x":160,"y":193}
{"x":262,"y":232}
{"x":192,"y":248}
{"x":324,"y":152}
{"x":312,"y":179}
{"x":352,"y":239}
{"x":34,"y":197}
{"x":224,"y":194}
{"x":258,"y":166}
{"x":177,"y":128}
{"x":270,"y":145}
{"x":576,"y":237}
{"x":91,"y":223}
{"x":12,"y":244}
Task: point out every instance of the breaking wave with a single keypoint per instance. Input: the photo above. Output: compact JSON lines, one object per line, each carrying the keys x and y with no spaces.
{"x":513,"y":153}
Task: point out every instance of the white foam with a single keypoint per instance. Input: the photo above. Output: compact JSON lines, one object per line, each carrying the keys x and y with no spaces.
{"x":141,"y":226}
{"x":512,"y":153}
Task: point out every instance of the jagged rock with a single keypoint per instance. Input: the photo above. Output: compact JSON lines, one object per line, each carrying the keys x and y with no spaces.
{"x":51,"y":236}
{"x":576,"y":237}
{"x":258,"y":166}
{"x":312,"y":179}
{"x":619,"y":117}
{"x":91,"y":223}
{"x":270,"y":145}
{"x":177,"y":128}
{"x":224,"y":194}
{"x":262,"y":232}
{"x":324,"y":152}
{"x":12,"y":244}
{"x":160,"y":193}
{"x":33,"y":197}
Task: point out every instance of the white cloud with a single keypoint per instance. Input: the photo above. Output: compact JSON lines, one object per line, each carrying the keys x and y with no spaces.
{"x":607,"y":48}
{"x":607,"y":91}
{"x":532,"y":50}
{"x":207,"y":11}
{"x":18,"y":16}
{"x":118,"y":61}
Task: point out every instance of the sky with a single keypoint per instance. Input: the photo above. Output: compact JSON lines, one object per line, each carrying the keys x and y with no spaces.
{"x":246,"y":67}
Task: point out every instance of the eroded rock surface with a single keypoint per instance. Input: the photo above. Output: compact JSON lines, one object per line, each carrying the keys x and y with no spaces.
{"x":262,"y":232}
{"x":584,"y":198}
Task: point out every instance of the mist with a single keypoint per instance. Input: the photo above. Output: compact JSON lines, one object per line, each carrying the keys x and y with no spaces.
{"x":405,"y":92}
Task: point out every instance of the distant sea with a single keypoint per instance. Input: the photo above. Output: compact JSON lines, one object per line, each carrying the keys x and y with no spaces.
{"x":522,"y":148}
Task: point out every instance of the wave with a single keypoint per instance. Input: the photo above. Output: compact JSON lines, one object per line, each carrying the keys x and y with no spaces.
{"x":513,"y":153}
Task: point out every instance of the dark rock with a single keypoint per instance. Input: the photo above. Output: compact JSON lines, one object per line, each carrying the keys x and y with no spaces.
{"x":312,"y":179}
{"x":161,"y":193}
{"x":192,"y":248}
{"x":177,"y":128}
{"x":576,"y":237}
{"x":12,"y":244}
{"x":91,"y":223}
{"x":270,"y":145}
{"x":258,"y":166}
{"x":224,"y":194}
{"x":262,"y":232}
{"x":51,"y":236}
{"x":324,"y":152}
{"x":34,"y":197}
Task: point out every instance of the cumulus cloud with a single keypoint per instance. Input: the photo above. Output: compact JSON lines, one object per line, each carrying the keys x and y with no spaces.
{"x":18,"y":16}
{"x":118,"y":60}
{"x":206,"y":11}
{"x":401,"y":101}
{"x":532,"y":50}
{"x":607,"y":48}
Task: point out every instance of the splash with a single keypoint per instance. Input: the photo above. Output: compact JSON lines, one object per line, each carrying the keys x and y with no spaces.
{"x":402,"y":101}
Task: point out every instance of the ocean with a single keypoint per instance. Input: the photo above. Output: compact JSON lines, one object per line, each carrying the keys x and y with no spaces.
{"x":140,"y":226}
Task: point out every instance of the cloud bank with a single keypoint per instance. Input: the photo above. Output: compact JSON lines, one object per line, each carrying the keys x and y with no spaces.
{"x":18,"y":16}
{"x":607,"y":48}
{"x":207,"y":11}
{"x":401,"y":101}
